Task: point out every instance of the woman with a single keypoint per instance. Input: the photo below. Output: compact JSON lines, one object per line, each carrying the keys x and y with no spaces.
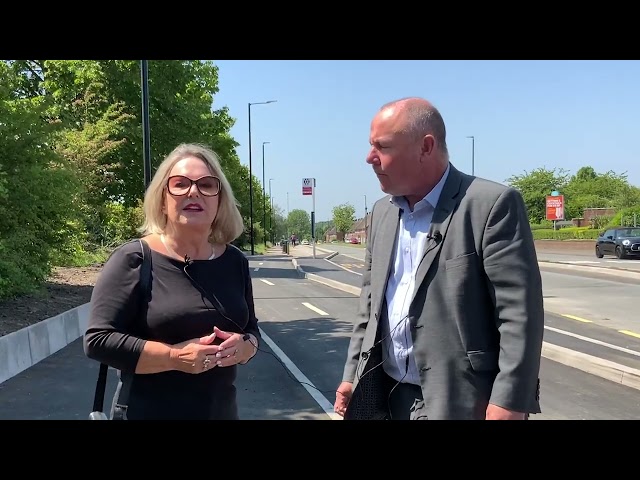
{"x":200,"y":324}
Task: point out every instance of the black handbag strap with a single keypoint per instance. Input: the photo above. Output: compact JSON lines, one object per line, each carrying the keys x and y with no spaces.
{"x":145,"y":286}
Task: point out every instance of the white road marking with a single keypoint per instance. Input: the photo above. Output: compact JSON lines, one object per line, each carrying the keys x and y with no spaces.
{"x":266,"y":281}
{"x":338,"y":265}
{"x":301,"y":377}
{"x":315,"y":309}
{"x":256,"y":269}
{"x":591,"y":340}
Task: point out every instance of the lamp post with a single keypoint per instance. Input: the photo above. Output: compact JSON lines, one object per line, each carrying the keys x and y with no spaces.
{"x":264,"y":200}
{"x":365,"y":219}
{"x":273,"y":237}
{"x":146,"y":147}
{"x":473,"y":153}
{"x":251,"y":175}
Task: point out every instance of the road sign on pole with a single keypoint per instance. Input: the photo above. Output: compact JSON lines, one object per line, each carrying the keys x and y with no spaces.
{"x":555,"y":208}
{"x":309,"y":188}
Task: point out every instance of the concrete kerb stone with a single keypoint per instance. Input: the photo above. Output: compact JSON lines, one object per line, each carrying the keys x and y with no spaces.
{"x":24,"y":348}
{"x":600,"y":367}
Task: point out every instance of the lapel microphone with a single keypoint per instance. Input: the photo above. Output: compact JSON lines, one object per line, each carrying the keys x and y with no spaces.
{"x":437,"y":236}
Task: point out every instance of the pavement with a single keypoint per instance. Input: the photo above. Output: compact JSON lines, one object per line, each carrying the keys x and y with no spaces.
{"x":606,"y":346}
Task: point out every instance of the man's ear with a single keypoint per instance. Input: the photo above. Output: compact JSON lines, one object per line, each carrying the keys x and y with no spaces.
{"x":428,"y":144}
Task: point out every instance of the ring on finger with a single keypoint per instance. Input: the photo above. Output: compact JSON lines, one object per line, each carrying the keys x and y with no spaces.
{"x":206,"y":362}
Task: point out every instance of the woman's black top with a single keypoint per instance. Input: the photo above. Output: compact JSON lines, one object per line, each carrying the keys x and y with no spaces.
{"x":177,"y":311}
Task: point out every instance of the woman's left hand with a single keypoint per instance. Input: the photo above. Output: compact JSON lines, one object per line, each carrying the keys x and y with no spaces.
{"x":233,"y":349}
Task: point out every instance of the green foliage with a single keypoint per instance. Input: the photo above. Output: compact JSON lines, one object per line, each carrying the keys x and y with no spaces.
{"x":535,"y":186}
{"x":71,"y":170}
{"x":600,"y":222}
{"x":322,"y":227}
{"x":343,"y":217}
{"x":120,"y":223}
{"x":570,"y":233}
{"x":38,"y":189}
{"x":299,"y":222}
{"x":626,"y":218}
{"x":585,"y":189}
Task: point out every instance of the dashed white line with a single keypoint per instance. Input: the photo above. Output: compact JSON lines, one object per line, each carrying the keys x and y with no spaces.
{"x":315,"y":309}
{"x":301,"y":377}
{"x":266,"y":281}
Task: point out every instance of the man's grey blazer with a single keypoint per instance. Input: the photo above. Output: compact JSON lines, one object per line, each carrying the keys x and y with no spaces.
{"x":477,"y":317}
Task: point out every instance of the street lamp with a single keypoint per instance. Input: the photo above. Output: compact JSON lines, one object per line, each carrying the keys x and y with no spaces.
{"x":273,"y":237}
{"x":146,"y":147}
{"x":473,"y":153}
{"x":365,"y":219}
{"x":264,"y":208}
{"x":251,"y":174}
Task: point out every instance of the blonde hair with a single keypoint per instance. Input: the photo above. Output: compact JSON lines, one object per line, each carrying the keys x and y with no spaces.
{"x":228,"y":224}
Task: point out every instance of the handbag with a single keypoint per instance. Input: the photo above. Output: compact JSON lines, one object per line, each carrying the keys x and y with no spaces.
{"x":121,"y":397}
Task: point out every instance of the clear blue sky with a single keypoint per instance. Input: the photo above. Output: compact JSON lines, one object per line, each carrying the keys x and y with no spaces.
{"x":523,"y":114}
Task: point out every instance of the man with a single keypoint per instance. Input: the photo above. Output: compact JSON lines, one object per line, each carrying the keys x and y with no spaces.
{"x":451,"y":320}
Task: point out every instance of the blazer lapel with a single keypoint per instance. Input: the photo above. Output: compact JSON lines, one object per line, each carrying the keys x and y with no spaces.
{"x":439,"y":225}
{"x":385,"y":242}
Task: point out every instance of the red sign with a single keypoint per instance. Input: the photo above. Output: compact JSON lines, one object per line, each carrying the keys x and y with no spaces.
{"x":555,"y":207}
{"x":307,"y":186}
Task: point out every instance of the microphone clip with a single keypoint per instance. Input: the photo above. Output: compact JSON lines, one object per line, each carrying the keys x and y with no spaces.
{"x":437,"y":236}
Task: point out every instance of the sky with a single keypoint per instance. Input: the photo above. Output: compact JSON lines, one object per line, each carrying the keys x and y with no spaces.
{"x":523,"y":114}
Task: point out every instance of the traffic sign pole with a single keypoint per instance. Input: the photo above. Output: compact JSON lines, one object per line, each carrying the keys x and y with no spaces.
{"x":309,"y":188}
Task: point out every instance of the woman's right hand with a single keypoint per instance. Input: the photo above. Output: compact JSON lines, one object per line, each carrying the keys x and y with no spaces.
{"x":196,"y":355}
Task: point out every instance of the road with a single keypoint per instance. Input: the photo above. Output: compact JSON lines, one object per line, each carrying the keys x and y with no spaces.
{"x":565,"y":292}
{"x":306,"y":328}
{"x":576,"y":316}
{"x":591,"y":260}
{"x":579,"y":257}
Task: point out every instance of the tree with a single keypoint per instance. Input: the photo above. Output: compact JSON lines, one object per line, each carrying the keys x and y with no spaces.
{"x":84,"y":93}
{"x":585,"y":189}
{"x":38,"y":192}
{"x":180,"y":110}
{"x":299,"y":223}
{"x":534,"y":188}
{"x":322,"y":227}
{"x":279,"y":224}
{"x":343,"y":217}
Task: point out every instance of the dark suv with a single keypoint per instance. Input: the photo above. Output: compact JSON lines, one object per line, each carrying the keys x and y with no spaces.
{"x":622,"y":242}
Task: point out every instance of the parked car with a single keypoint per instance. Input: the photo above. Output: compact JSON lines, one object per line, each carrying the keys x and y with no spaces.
{"x":622,"y":242}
